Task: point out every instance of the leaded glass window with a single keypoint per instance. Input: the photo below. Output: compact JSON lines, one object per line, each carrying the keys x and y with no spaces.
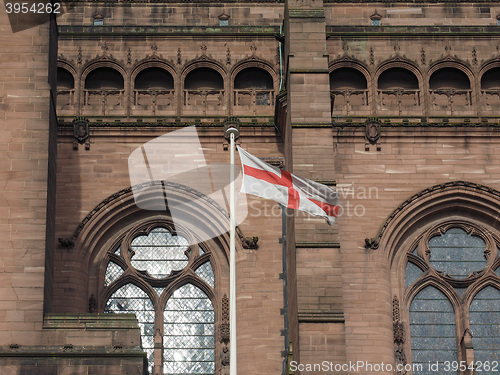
{"x":484,"y":318}
{"x":113,"y":272}
{"x":159,"y":253}
{"x":456,"y":257}
{"x":412,"y":273}
{"x":432,"y":329}
{"x":206,"y":273}
{"x":159,"y":259}
{"x":132,"y":299}
{"x":188,"y":333}
{"x":457,"y":253}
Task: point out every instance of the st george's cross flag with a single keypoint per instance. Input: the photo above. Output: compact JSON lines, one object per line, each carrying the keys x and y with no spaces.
{"x":266,"y":181}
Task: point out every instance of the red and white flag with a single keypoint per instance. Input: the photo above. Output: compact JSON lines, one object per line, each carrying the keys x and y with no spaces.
{"x":266,"y":181}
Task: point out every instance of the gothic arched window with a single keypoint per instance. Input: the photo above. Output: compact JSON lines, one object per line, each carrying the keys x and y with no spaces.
{"x":452,"y":290}
{"x":168,"y":284}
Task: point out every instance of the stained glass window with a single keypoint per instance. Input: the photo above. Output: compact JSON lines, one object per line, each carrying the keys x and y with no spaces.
{"x":412,"y":273}
{"x":485,"y":325}
{"x":206,"y":273}
{"x":159,"y":253}
{"x":432,"y":329}
{"x":457,"y":253}
{"x":131,"y":299}
{"x":113,"y":272}
{"x":189,"y":333}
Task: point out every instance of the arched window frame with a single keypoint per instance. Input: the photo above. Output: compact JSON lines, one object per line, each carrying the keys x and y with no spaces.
{"x":222,"y":97}
{"x":368,"y":94}
{"x":447,"y":284}
{"x":176,"y":279}
{"x":486,"y":94}
{"x":72,"y":94}
{"x":265,"y":66}
{"x":452,"y":204}
{"x":173,"y":95}
{"x":470,"y":95}
{"x":418,"y":94}
{"x":122,"y":94}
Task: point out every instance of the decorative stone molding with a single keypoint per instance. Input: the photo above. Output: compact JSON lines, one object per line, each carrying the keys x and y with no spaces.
{"x":224,"y":326}
{"x":250,"y":243}
{"x":399,"y":336}
{"x":438,"y":194}
{"x":81,"y":132}
{"x":372,"y":133}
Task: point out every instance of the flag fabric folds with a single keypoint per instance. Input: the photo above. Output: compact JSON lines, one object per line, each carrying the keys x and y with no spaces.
{"x":266,"y":181}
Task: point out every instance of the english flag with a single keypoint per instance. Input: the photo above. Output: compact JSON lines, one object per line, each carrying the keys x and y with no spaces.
{"x":266,"y":181}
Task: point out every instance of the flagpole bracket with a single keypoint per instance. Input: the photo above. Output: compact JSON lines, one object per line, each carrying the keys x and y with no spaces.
{"x":231,"y":128}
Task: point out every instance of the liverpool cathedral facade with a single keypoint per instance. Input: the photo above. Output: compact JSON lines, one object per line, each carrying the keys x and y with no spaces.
{"x":395,"y":104}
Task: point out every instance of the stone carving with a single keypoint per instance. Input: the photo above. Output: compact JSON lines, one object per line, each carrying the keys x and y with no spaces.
{"x":399,"y":336}
{"x":371,"y":243}
{"x":81,"y":132}
{"x":250,"y":243}
{"x":224,"y":326}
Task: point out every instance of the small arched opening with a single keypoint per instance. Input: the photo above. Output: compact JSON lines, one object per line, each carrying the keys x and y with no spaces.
{"x":253,"y":87}
{"x":104,"y":90}
{"x":398,"y":89}
{"x":204,"y":90}
{"x":349,"y":90}
{"x":153,"y":90}
{"x":450,"y":90}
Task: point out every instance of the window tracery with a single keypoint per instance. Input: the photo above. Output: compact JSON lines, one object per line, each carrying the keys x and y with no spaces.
{"x":169,"y":285}
{"x":451,"y":281}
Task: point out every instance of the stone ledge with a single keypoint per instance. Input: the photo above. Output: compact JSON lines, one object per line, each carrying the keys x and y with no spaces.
{"x":317,"y":245}
{"x":321,"y":317}
{"x":130,"y":32}
{"x":90,"y":321}
{"x":307,"y":13}
{"x":411,"y":31}
{"x":73,"y":351}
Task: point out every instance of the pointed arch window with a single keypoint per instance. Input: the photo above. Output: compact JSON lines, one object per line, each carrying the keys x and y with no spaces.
{"x":169,"y":285}
{"x":452,"y":295}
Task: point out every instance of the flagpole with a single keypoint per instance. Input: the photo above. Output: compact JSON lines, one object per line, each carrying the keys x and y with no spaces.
{"x":233,"y":133}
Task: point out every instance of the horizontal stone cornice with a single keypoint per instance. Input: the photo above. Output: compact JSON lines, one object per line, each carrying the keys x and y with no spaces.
{"x":411,"y":31}
{"x":131,"y":32}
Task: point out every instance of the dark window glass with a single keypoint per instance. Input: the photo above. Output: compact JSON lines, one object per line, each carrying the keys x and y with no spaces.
{"x":432,"y":329}
{"x":457,"y":253}
{"x":412,"y":273}
{"x":485,"y":325}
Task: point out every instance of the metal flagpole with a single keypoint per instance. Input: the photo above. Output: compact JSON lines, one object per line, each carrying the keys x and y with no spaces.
{"x":233,"y":133}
